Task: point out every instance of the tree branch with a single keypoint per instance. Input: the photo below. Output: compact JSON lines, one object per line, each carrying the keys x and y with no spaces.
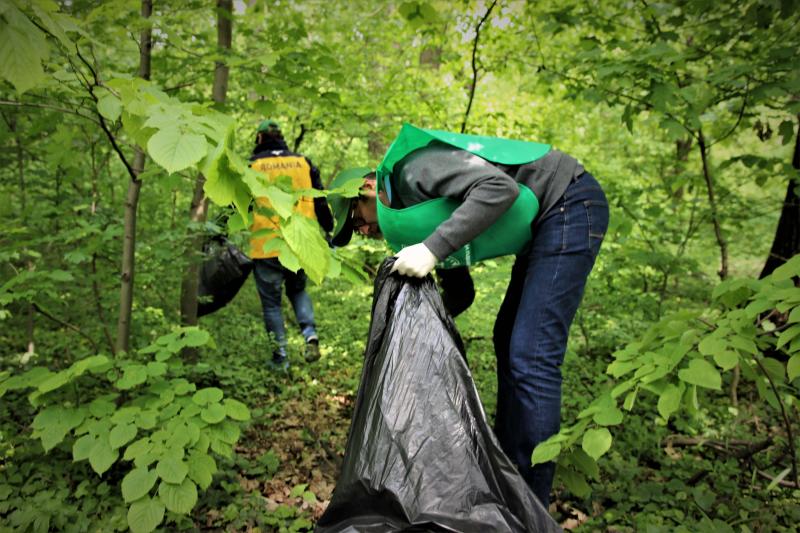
{"x":66,"y":325}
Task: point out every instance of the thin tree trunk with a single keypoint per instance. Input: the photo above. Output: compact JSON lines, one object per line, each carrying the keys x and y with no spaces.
{"x":132,"y":203}
{"x":475,"y":65}
{"x":198,"y":211}
{"x":30,"y":348}
{"x":787,"y":235}
{"x":712,"y":201}
{"x":98,"y":301}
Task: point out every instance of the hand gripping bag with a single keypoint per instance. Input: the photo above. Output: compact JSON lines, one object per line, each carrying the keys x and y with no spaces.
{"x":222,"y":274}
{"x":420,"y":455}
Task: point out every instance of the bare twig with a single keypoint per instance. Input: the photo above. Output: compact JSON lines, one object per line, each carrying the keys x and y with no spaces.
{"x":66,"y":325}
{"x":787,"y":423}
{"x":47,"y":106}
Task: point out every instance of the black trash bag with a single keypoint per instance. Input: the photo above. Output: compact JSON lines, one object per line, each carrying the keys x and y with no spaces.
{"x":420,"y":455}
{"x":222,"y":274}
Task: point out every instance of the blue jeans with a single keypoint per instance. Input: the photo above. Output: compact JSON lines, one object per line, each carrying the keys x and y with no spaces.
{"x":270,"y":275}
{"x":530,"y":334}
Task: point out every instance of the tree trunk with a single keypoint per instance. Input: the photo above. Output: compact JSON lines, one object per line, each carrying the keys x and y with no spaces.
{"x":30,"y":348}
{"x":198,"y":211}
{"x":721,"y":242}
{"x":787,"y":236}
{"x":132,"y":203}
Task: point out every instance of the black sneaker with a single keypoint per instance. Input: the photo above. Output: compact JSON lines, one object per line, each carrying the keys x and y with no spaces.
{"x":279,"y":363}
{"x":312,"y":350}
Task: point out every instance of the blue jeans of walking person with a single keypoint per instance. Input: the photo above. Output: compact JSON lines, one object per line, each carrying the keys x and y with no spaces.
{"x":270,"y":276}
{"x":530,"y":334}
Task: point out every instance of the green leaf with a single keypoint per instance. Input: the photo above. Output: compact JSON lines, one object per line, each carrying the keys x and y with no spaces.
{"x":207,"y":395}
{"x":774,"y":368}
{"x":786,"y":131}
{"x":711,"y":345}
{"x":121,"y":435}
{"x":136,"y":449}
{"x":23,"y":47}
{"x":788,"y":270}
{"x":236,"y":410}
{"x":145,"y":515}
{"x":608,"y":416}
{"x":574,"y":482}
{"x":109,"y":106}
{"x":201,"y":469}
{"x":213,"y":413}
{"x":279,"y":200}
{"x":102,"y":455}
{"x":82,"y":448}
{"x":178,"y":498}
{"x":793,"y":367}
{"x":585,"y":464}
{"x":172,"y":470}
{"x":298,"y":490}
{"x":195,"y":337}
{"x":726,"y":359}
{"x":133,"y":375}
{"x":102,"y":407}
{"x":156,"y":369}
{"x":596,"y":442}
{"x":787,"y":335}
{"x":174,"y":150}
{"x":304,"y":238}
{"x":670,"y":400}
{"x":545,"y":452}
{"x":138,"y":483}
{"x":52,"y":435}
{"x":701,"y":373}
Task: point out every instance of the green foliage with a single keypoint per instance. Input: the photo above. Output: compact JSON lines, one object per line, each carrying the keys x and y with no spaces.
{"x":94,"y":442}
{"x":162,"y":427}
{"x":687,"y":352}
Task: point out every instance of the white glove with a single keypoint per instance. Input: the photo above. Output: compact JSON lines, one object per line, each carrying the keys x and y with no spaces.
{"x":416,"y":261}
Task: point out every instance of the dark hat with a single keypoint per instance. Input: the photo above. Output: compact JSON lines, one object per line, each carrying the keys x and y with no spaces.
{"x":350,"y":180}
{"x":268,"y":125}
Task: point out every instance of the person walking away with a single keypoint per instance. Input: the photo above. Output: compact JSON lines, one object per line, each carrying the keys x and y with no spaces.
{"x":272,"y":157}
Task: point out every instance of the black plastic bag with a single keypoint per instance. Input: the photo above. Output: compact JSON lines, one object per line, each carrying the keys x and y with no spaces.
{"x":222,"y":274}
{"x":420,"y":455}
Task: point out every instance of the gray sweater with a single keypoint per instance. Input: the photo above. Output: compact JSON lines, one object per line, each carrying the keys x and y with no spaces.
{"x":485,"y":190}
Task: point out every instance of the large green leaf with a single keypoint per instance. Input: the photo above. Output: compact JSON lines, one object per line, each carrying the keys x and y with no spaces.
{"x":145,"y":515}
{"x":121,"y":435}
{"x":137,"y":483}
{"x":178,"y":498}
{"x":303,"y":237}
{"x":793,"y":367}
{"x":102,"y":455}
{"x":670,"y":400}
{"x":132,"y":376}
{"x":213,"y":413}
{"x":82,"y":448}
{"x":596,"y":442}
{"x":236,"y":410}
{"x":172,"y":470}
{"x":207,"y":395}
{"x":545,"y":452}
{"x":175,"y":150}
{"x":201,"y":469}
{"x":23,"y":47}
{"x":701,"y":373}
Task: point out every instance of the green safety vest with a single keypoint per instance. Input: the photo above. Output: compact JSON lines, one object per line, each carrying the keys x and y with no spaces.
{"x":508,"y":235}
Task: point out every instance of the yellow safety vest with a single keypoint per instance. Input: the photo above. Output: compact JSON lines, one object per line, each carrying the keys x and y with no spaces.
{"x":297,"y":168}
